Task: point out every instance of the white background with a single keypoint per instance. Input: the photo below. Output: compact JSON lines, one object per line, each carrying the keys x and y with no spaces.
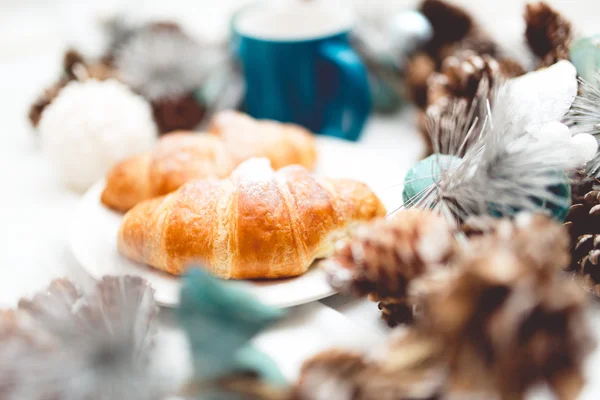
{"x":35,"y":212}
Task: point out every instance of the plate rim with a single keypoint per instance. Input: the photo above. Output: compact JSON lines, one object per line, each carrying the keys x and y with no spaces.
{"x":84,"y":260}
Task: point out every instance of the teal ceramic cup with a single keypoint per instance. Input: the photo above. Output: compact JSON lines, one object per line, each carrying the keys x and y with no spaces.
{"x":299,"y":66}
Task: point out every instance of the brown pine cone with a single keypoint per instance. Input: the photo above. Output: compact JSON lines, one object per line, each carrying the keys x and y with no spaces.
{"x":178,"y":113}
{"x":330,"y":374}
{"x":450,"y":23}
{"x":454,"y":31}
{"x":75,"y":67}
{"x":384,"y":257}
{"x":409,"y":370}
{"x":461,"y":75}
{"x":548,"y":33}
{"x":511,"y":68}
{"x":394,"y":311}
{"x":508,"y":325}
{"x":537,"y":240}
{"x":477,"y":41}
{"x":583,"y":224}
{"x":418,"y":69}
{"x":40,"y":104}
{"x":464,"y":77}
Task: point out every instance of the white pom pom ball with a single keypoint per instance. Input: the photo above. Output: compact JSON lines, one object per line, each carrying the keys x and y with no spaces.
{"x":90,"y":126}
{"x":555,"y":132}
{"x":584,"y":147}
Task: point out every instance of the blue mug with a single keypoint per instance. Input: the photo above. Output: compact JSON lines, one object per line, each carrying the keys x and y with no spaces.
{"x":299,"y":67}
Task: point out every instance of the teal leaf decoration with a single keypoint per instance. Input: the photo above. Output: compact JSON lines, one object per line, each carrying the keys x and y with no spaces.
{"x":220,"y":319}
{"x":585,"y":55}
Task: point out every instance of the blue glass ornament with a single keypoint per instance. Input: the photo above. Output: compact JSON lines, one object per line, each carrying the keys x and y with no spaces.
{"x":585,"y":56}
{"x":424,"y":174}
{"x":428,"y":172}
{"x":558,"y":209}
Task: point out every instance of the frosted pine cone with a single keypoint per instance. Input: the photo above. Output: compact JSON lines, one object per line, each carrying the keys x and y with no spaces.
{"x":386,"y":255}
{"x":535,"y":239}
{"x":508,"y":325}
{"x":330,"y":375}
{"x":548,"y":33}
{"x":410,"y":369}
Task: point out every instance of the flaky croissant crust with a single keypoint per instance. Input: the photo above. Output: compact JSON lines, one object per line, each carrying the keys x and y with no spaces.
{"x":180,"y":157}
{"x":257,"y":224}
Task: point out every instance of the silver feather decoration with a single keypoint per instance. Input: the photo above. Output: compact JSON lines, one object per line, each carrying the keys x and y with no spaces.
{"x":94,"y":346}
{"x":166,"y":63}
{"x":455,"y":125}
{"x":504,"y":170}
{"x":584,"y":116}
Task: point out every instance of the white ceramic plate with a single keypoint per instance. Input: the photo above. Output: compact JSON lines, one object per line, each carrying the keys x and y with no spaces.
{"x":93,"y":238}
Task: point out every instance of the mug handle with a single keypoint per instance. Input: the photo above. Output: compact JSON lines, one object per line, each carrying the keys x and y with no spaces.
{"x":353,"y":102}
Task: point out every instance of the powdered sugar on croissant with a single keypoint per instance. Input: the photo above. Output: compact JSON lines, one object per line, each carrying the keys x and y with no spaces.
{"x":257,"y":224}
{"x":180,"y":157}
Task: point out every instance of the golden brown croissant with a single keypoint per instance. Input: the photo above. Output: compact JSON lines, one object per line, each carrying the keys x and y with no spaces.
{"x":257,"y":224}
{"x":183,"y":156}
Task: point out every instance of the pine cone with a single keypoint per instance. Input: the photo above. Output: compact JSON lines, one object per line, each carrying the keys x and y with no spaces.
{"x":463,"y":77}
{"x":419,"y":68}
{"x":36,"y":109}
{"x":75,"y":67}
{"x":548,"y":33}
{"x":411,"y":369}
{"x":454,"y":32}
{"x":331,"y":374}
{"x":508,"y":325}
{"x":394,"y":311}
{"x":511,"y":68}
{"x":386,"y":255}
{"x":477,"y":41}
{"x":178,"y":113}
{"x":536,"y":239}
{"x":450,"y":23}
{"x":583,"y":224}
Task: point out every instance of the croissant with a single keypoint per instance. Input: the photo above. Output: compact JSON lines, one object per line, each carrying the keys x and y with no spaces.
{"x":258,"y":223}
{"x":183,"y":156}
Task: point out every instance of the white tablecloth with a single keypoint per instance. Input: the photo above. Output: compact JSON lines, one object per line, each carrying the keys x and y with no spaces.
{"x":36,"y":211}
